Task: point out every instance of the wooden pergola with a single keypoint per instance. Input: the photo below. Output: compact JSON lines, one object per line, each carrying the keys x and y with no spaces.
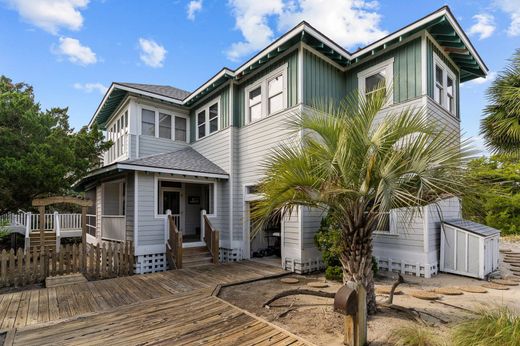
{"x":84,"y":203}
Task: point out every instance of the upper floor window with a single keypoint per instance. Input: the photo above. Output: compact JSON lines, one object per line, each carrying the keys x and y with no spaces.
{"x":117,"y":132}
{"x":376,"y":79}
{"x":208,"y":119}
{"x":444,"y":86}
{"x":163,"y":125}
{"x":267,"y":96}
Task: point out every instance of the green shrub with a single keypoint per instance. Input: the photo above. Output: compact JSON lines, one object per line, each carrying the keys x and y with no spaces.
{"x":328,"y":240}
{"x":499,"y":326}
{"x":414,"y":335}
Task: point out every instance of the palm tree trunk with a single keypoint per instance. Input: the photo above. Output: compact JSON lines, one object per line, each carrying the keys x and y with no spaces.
{"x":356,"y":259}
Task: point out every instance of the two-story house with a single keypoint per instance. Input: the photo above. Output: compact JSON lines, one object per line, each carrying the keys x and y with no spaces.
{"x":189,"y":152}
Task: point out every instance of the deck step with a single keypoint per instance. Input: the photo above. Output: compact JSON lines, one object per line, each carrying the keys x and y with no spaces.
{"x":196,"y":256}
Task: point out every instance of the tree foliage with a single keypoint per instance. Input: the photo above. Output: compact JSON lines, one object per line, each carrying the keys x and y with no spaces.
{"x":495,"y":200}
{"x":501,"y":124}
{"x":357,"y":166}
{"x":39,"y":152}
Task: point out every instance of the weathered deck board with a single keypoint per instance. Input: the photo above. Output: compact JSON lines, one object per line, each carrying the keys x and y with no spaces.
{"x":174,"y":307}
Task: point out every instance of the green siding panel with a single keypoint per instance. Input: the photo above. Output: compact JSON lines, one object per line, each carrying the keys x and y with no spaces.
{"x":292,"y":85}
{"x":407,"y":71}
{"x":322,"y":82}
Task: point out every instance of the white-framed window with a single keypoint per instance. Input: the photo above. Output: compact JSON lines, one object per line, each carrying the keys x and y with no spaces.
{"x":266,"y":96}
{"x":444,"y":91}
{"x":376,"y":78}
{"x":208,"y":118}
{"x":161,"y":123}
{"x":117,"y":132}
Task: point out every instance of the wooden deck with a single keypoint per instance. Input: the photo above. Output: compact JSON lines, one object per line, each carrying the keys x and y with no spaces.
{"x":174,"y":307}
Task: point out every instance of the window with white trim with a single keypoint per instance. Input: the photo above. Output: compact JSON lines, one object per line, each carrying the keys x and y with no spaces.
{"x":162,"y":124}
{"x":267,"y":96}
{"x":117,"y":132}
{"x":208,"y":119}
{"x":444,"y":85}
{"x":377,"y":78}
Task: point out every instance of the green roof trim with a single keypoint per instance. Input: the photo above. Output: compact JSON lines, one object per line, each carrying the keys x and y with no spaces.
{"x":109,"y":106}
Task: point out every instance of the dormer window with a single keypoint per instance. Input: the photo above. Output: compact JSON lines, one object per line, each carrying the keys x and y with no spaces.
{"x":444,"y":92}
{"x":378,"y":78}
{"x":267,"y":96}
{"x":208,"y":119}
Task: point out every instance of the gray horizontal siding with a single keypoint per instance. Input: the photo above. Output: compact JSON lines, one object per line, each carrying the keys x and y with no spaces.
{"x":130,"y":206}
{"x":150,"y":229}
{"x":149,"y":145}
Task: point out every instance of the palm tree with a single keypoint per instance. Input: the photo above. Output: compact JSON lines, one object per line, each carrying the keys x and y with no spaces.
{"x":501,"y":124}
{"x":356,"y":167}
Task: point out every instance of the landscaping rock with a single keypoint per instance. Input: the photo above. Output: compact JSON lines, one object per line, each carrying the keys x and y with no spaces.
{"x":473,"y":289}
{"x":448,"y":291}
{"x":290,"y":281}
{"x":317,"y":284}
{"x":495,"y":286}
{"x":425,"y":295}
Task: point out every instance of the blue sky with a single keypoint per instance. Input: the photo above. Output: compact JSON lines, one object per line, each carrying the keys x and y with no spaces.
{"x":71,"y":50}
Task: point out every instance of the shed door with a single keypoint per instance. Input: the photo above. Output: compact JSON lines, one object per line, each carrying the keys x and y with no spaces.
{"x":488,"y":255}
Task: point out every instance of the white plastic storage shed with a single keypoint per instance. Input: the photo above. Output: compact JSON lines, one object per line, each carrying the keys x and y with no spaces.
{"x":469,"y":248}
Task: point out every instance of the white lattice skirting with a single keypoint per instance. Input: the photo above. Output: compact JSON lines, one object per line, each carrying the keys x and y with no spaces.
{"x":150,"y":263}
{"x":403,"y":267}
{"x":230,"y":255}
{"x":303,"y":267}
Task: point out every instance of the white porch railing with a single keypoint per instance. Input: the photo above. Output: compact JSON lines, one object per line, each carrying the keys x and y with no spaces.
{"x":113,"y":227}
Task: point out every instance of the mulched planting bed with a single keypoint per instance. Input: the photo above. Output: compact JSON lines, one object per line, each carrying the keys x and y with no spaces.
{"x":473,"y":289}
{"x":505,"y":282}
{"x":290,"y":281}
{"x":495,"y":286}
{"x":448,"y":291}
{"x":426,"y":295}
{"x":386,"y":290}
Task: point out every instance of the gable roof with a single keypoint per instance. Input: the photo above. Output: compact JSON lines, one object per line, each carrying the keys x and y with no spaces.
{"x":162,"y":90}
{"x":441,"y":24}
{"x":186,"y":159}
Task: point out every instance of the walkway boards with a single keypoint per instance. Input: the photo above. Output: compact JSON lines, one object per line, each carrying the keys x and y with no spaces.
{"x":174,"y":307}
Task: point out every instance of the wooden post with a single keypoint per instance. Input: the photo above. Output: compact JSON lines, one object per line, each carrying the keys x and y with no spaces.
{"x":84,"y":234}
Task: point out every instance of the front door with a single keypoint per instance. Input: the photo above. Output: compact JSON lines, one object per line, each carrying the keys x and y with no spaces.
{"x":171,"y":199}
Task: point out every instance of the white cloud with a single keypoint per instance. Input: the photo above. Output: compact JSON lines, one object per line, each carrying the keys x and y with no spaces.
{"x":90,"y":87}
{"x":51,"y":15}
{"x":152,"y":53}
{"x":348,"y":22}
{"x":479,"y":81}
{"x":75,"y":52}
{"x":193,"y":7}
{"x":511,"y":7}
{"x":251,"y":18}
{"x":484,"y":26}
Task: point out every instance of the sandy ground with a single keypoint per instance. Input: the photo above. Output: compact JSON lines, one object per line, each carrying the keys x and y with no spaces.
{"x":313,"y":319}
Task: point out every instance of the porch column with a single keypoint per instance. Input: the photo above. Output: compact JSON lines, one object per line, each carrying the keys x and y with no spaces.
{"x":42,"y":224}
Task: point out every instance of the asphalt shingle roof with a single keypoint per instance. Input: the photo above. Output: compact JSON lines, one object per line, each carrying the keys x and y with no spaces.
{"x":163,"y":90}
{"x":186,"y":159}
{"x":473,"y":227}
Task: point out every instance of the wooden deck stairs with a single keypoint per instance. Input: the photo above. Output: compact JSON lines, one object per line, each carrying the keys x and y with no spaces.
{"x":49,"y":240}
{"x":196,"y":256}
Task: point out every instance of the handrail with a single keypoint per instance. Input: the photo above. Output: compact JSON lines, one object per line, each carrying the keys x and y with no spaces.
{"x":211,"y":236}
{"x":174,"y":243}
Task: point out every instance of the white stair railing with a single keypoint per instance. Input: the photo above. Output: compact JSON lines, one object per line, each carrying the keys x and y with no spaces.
{"x":57,"y":227}
{"x":28,"y":230}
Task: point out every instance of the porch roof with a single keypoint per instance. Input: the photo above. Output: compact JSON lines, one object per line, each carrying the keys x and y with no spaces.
{"x":186,"y":159}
